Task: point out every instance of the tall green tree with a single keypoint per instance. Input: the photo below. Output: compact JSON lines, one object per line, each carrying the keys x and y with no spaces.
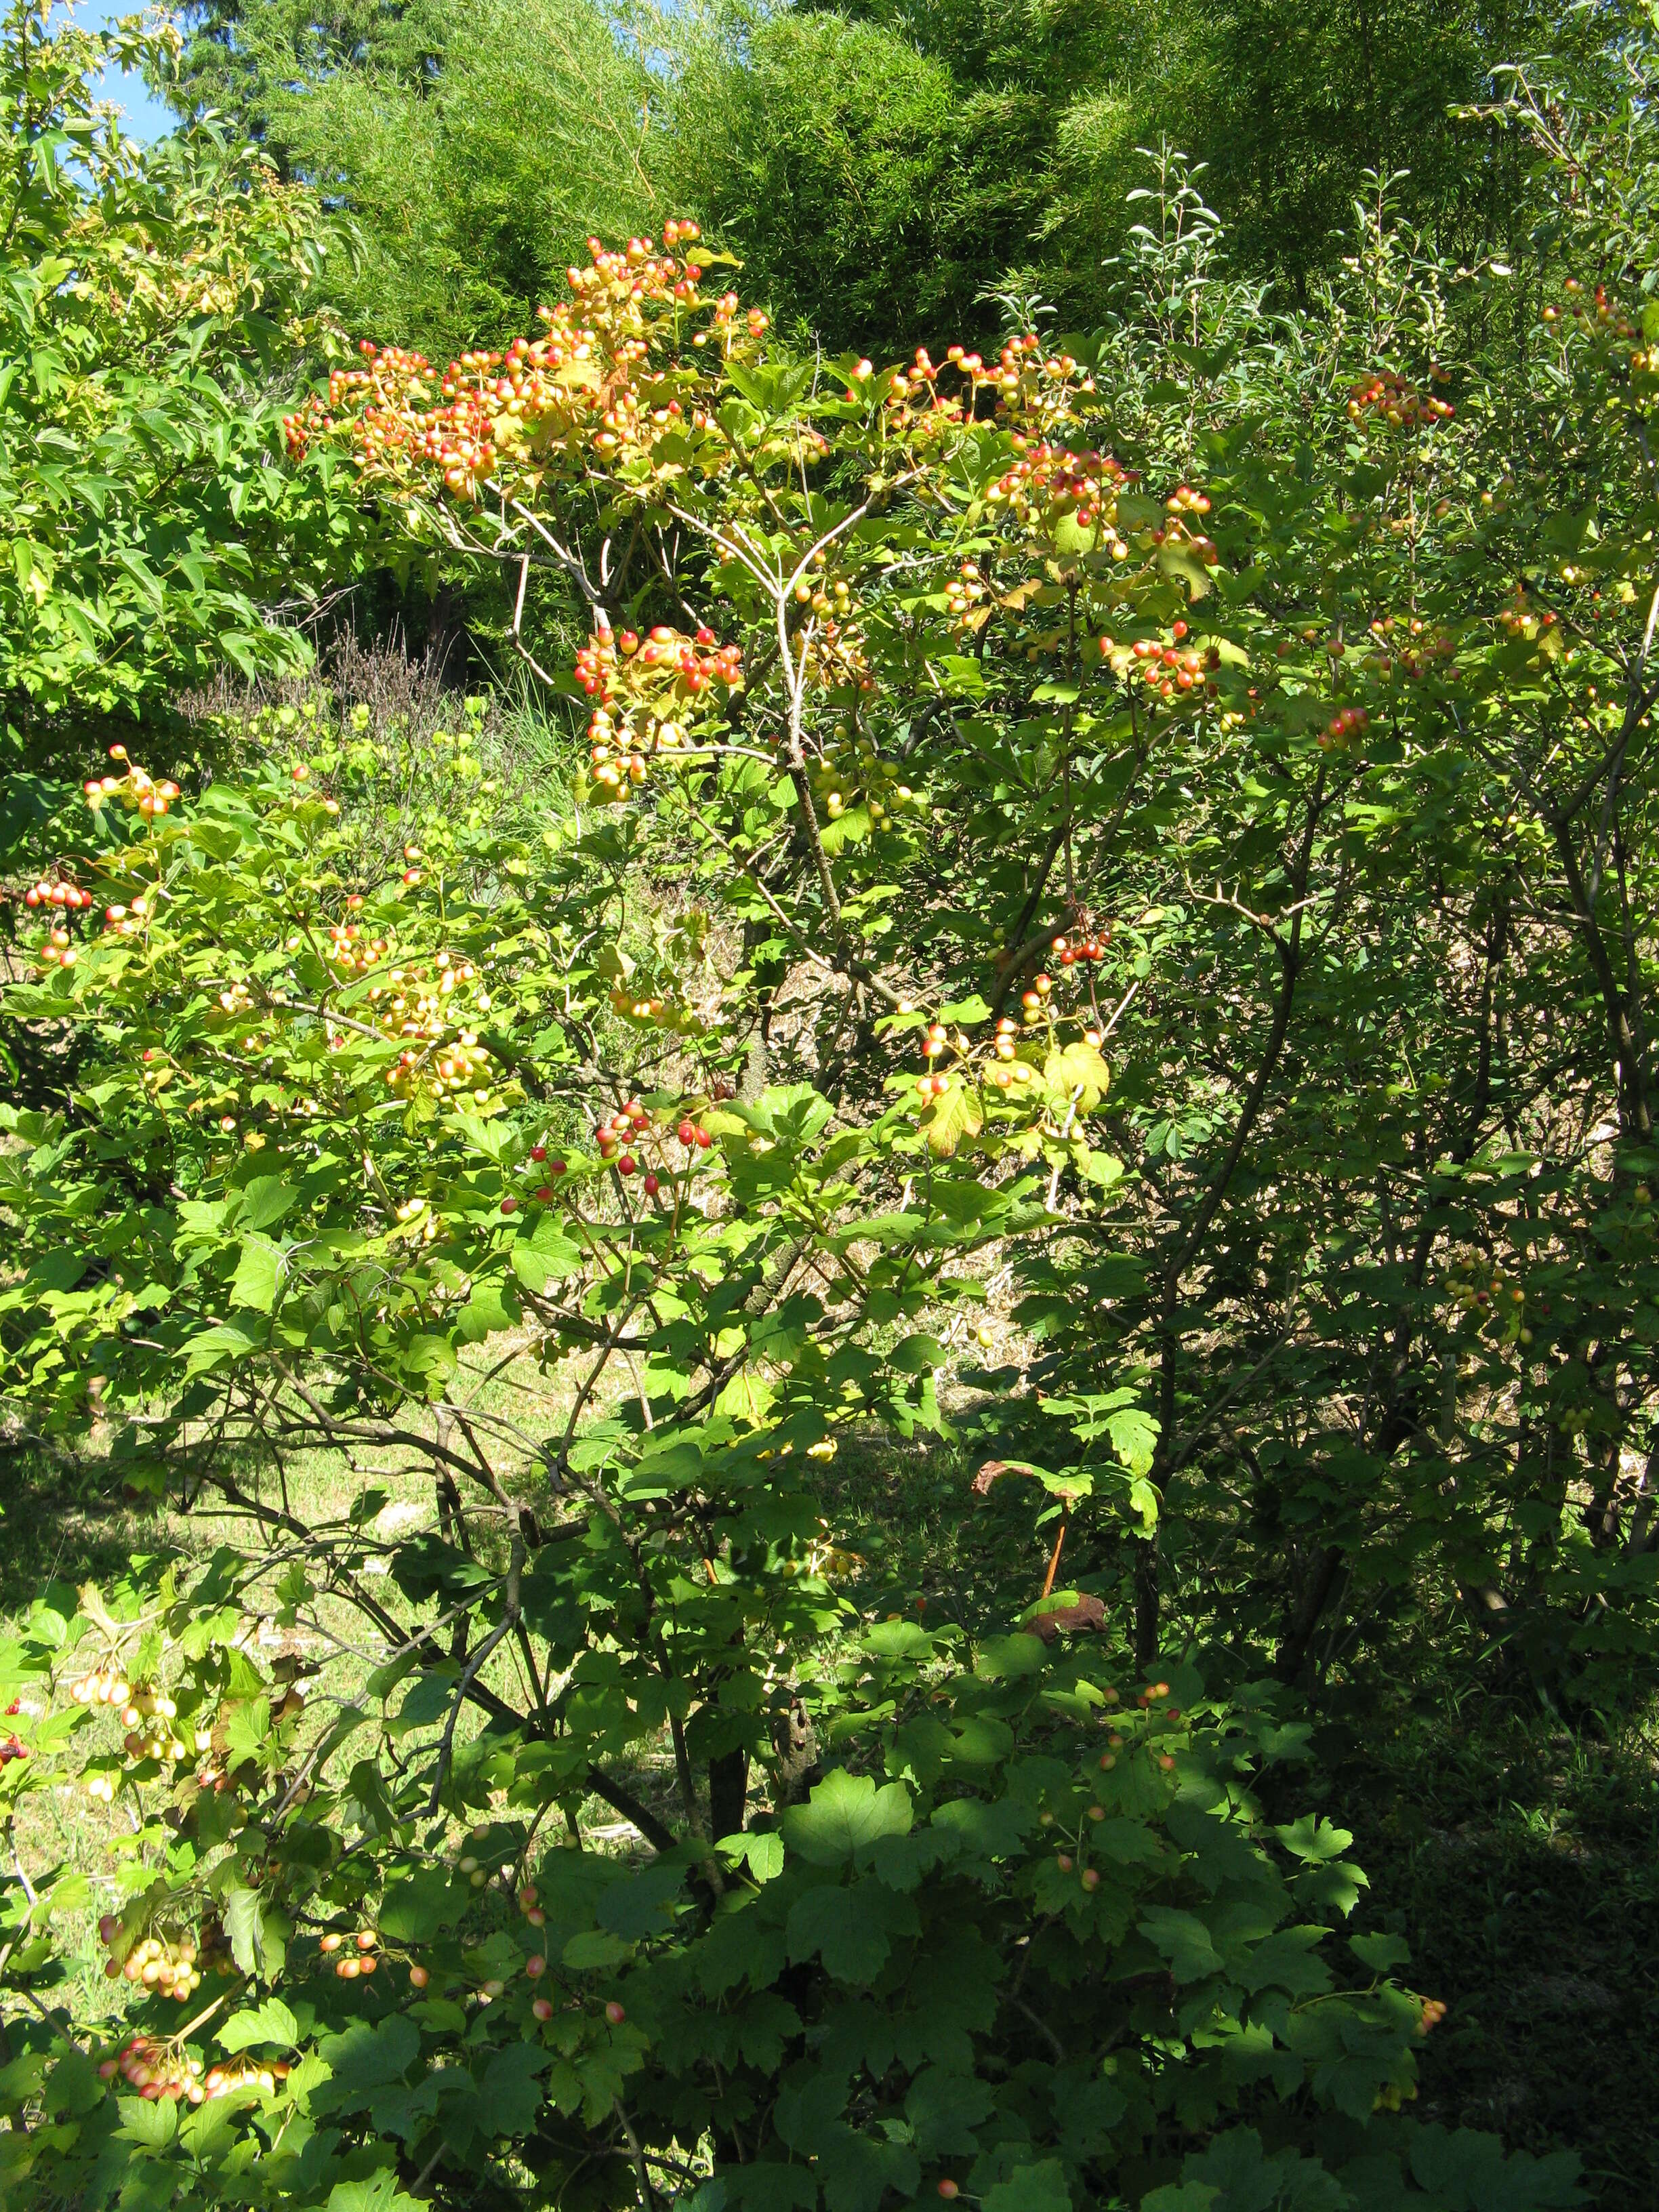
{"x":153,"y":313}
{"x":469,"y":146}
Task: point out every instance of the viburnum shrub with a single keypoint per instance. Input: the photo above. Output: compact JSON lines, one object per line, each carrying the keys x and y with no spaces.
{"x":1025,"y":1938}
{"x":602,"y":1187}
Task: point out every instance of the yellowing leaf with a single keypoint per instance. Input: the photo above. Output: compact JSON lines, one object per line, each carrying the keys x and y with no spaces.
{"x":958,"y":1114}
{"x":1078,"y":1072}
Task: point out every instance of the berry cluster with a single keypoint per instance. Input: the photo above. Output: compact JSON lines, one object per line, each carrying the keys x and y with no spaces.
{"x":1068,"y":950}
{"x":156,"y":2071}
{"x":1047,"y":483}
{"x":576,"y":389}
{"x":963,"y":594}
{"x":353,"y":1955}
{"x":1167,"y":670}
{"x":644,"y":687}
{"x":1182,"y":503}
{"x":47,"y":892}
{"x":554,"y":1167}
{"x":102,"y":1686}
{"x":1600,"y":313}
{"x":244,"y":2074}
{"x":166,"y":1967}
{"x":13,"y":1747}
{"x":149,"y":1718}
{"x":1415,"y":657}
{"x":1401,"y":405}
{"x":1344,"y":728}
{"x":1521,"y":621}
{"x":133,"y":789}
{"x":129,"y":920}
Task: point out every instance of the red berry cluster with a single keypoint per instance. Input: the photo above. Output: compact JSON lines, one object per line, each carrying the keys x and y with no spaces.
{"x":1165,"y":669}
{"x":546,"y":1167}
{"x":526,"y":401}
{"x":13,"y":1747}
{"x":133,"y":789}
{"x":1057,"y":482}
{"x":1068,"y":950}
{"x":1601,"y":312}
{"x":353,"y":1956}
{"x":59,"y":894}
{"x":1344,"y":728}
{"x":697,"y":661}
{"x":1413,"y":655}
{"x":1398,"y":403}
{"x":650,"y":682}
{"x":596,"y":663}
{"x":157,"y":2071}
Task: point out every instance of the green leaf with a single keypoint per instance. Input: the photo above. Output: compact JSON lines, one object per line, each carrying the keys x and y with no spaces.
{"x":270,"y":2022}
{"x":845,"y":1814}
{"x":1041,"y":2187}
{"x":260,"y":1275}
{"x":1381,"y":1953}
{"x":842,"y":1927}
{"x":1314,"y":1839}
{"x":1183,"y":1940}
{"x":511,"y":2087}
{"x":379,"y":2192}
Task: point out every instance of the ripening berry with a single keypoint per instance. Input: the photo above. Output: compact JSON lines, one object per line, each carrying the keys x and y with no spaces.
{"x":615,"y":2013}
{"x":419,"y":1977}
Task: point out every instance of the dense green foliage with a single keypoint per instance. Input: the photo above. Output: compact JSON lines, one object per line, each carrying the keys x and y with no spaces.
{"x":1094,"y":952}
{"x":471,"y":147}
{"x":881,"y":168}
{"x":152,"y":305}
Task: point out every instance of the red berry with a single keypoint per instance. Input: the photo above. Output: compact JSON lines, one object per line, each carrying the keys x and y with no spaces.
{"x":509,"y":1206}
{"x":704,"y":1139}
{"x":538,"y":1152}
{"x":687,"y":1132}
{"x":651,"y":1186}
{"x":545,"y":1192}
{"x":615,"y":2013}
{"x":627,"y":1164}
{"x":555,"y":1167}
